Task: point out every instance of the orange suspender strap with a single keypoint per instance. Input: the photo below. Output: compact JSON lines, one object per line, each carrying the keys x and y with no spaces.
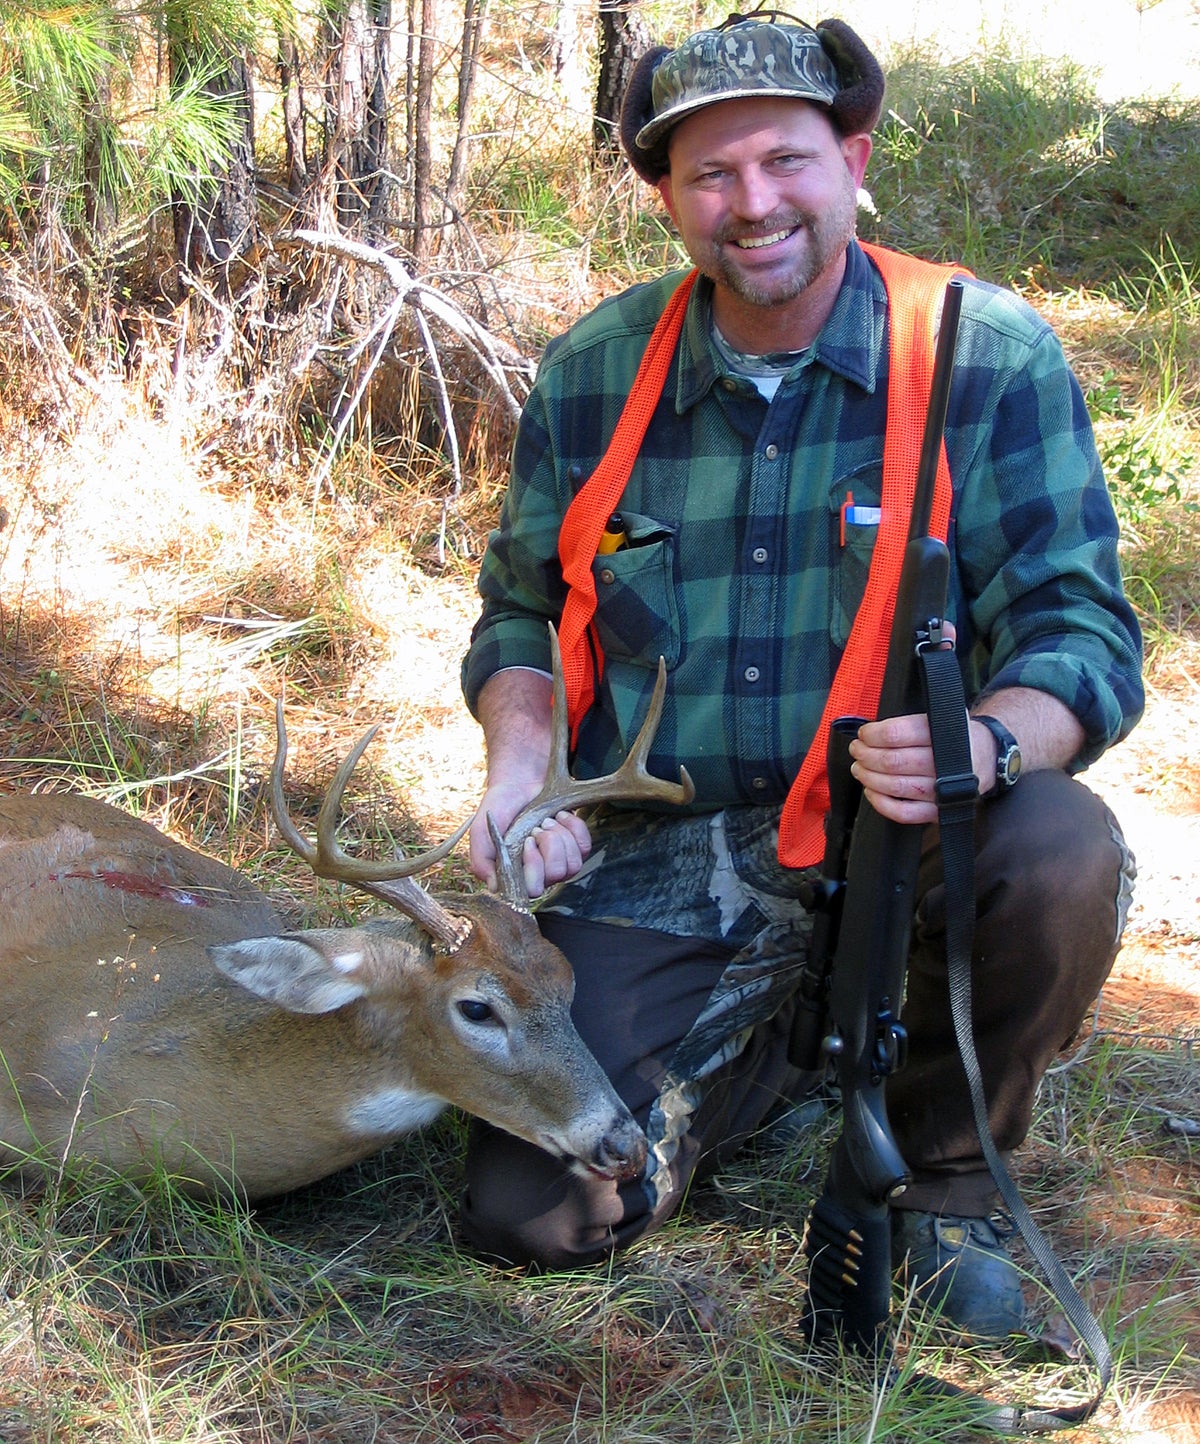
{"x":595,"y":502}
{"x":914,"y":289}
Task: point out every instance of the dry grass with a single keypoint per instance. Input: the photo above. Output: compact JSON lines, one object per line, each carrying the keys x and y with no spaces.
{"x":167,"y":572}
{"x":154,"y":602}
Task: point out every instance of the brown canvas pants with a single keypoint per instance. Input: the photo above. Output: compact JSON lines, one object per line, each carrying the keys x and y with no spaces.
{"x":1053,"y":878}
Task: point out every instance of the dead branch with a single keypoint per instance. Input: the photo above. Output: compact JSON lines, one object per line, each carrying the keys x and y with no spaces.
{"x":28,"y":302}
{"x":497,"y":358}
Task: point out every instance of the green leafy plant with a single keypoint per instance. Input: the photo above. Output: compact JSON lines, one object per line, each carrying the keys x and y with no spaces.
{"x":1143,"y":487}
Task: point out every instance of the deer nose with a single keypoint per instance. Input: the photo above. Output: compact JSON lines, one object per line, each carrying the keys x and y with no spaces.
{"x":621,"y":1152}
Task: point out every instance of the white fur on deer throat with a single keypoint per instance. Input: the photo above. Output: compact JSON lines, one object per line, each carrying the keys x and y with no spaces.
{"x":392,"y":1110}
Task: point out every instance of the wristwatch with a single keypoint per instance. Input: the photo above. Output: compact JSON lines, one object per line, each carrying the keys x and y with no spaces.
{"x":1008,"y":753}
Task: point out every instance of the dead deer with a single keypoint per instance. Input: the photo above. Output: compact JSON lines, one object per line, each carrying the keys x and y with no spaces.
{"x":154,"y":1013}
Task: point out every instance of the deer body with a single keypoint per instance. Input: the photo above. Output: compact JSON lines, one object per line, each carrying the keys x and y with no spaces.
{"x":154,"y":1012}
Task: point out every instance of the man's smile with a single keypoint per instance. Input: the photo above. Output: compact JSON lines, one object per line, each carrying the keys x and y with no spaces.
{"x":754,"y":243}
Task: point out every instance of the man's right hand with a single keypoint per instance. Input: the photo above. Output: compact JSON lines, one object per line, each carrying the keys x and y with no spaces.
{"x":555,"y":852}
{"x":514,"y":710}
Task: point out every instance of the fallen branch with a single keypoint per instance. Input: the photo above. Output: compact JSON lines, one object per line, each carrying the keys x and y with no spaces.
{"x":496,"y":358}
{"x":28,"y":302}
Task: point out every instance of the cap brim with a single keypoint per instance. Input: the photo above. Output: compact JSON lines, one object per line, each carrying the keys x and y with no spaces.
{"x":653,"y":134}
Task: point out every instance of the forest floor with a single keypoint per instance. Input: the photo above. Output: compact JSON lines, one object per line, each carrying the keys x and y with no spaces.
{"x":1151,"y":784}
{"x":153,"y":606}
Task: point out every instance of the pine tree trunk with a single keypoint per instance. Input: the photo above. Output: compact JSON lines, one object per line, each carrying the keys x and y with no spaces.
{"x":474,"y":15}
{"x":423,"y":151}
{"x":295,"y":139}
{"x":566,"y":56}
{"x":356,"y":111}
{"x":99,"y":198}
{"x":623,"y":40}
{"x":213,"y":231}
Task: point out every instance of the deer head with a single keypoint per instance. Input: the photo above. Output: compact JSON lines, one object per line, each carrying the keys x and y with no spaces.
{"x":496,"y":996}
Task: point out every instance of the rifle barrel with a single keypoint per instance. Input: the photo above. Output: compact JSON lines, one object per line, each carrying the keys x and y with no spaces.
{"x":935,"y":417}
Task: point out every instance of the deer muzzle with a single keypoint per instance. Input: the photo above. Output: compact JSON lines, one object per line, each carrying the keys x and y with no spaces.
{"x":618,"y":1151}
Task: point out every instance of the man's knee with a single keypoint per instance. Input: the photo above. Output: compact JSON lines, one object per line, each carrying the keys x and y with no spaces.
{"x":1051,"y":868}
{"x":1051,"y":858}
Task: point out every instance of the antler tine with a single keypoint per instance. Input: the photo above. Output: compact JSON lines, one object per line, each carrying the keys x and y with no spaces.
{"x":391,"y":880}
{"x":510,"y":875}
{"x":558,"y":770}
{"x":331,"y":860}
{"x":631,"y":782}
{"x":294,"y":838}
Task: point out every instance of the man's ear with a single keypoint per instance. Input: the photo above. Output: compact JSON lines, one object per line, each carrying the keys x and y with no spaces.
{"x":664,"y":190}
{"x":856,"y":149}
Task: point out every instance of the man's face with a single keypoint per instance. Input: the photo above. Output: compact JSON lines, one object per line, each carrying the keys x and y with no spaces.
{"x":764,"y":194}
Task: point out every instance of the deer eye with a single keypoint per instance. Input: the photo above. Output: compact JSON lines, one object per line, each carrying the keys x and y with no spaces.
{"x":476,"y":1011}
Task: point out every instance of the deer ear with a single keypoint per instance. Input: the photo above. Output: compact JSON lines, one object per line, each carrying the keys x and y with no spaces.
{"x":303,"y":973}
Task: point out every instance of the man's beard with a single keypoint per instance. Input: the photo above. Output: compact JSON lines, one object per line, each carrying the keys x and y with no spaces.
{"x":827,"y":235}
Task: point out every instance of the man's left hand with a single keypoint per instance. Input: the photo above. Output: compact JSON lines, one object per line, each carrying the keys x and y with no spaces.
{"x":893,"y":760}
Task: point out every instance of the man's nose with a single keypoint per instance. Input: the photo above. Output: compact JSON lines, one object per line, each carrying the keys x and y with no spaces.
{"x":755,"y":195}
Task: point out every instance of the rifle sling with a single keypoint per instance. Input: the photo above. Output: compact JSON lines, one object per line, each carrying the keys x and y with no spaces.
{"x":956,"y":795}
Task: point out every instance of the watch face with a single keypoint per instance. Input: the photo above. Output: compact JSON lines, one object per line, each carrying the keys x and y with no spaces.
{"x":1008,"y":753}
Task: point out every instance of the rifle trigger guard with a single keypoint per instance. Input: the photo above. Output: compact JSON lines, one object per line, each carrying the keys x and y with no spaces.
{"x":891,"y":1044}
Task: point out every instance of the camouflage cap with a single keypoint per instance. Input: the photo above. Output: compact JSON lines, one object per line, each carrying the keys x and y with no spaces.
{"x":827,"y":64}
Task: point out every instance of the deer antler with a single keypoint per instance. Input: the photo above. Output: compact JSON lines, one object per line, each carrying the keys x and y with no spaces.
{"x":631,"y":782}
{"x":392,"y":881}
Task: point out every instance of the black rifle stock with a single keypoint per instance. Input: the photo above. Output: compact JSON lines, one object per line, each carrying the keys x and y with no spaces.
{"x":853,"y":983}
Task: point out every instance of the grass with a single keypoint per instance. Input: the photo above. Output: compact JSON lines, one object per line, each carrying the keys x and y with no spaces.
{"x":1013,"y":165}
{"x":164,"y":576}
{"x":345,"y":1312}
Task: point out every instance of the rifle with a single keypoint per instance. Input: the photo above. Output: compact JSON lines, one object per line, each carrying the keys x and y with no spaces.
{"x":852,"y":984}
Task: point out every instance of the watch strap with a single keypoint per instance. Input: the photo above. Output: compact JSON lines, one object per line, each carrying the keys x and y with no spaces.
{"x":1007,"y":748}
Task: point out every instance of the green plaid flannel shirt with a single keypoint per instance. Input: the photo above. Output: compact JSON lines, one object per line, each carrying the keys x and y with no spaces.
{"x":736,"y":571}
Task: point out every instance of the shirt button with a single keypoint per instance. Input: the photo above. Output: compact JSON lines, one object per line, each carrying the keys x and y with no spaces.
{"x":729,"y":384}
{"x":752,"y":674}
{"x":759,"y":554}
{"x":607,"y":576}
{"x":771,"y":452}
{"x":759,"y":784}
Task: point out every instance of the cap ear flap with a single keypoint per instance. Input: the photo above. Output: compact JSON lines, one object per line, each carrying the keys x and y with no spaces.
{"x":858,"y":104}
{"x":637,"y":110}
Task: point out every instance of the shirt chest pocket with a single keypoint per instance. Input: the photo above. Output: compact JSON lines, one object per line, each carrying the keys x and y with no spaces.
{"x":854,"y":517}
{"x":637,"y":617}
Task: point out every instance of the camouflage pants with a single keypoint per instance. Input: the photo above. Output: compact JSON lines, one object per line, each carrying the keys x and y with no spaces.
{"x":686,"y":937}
